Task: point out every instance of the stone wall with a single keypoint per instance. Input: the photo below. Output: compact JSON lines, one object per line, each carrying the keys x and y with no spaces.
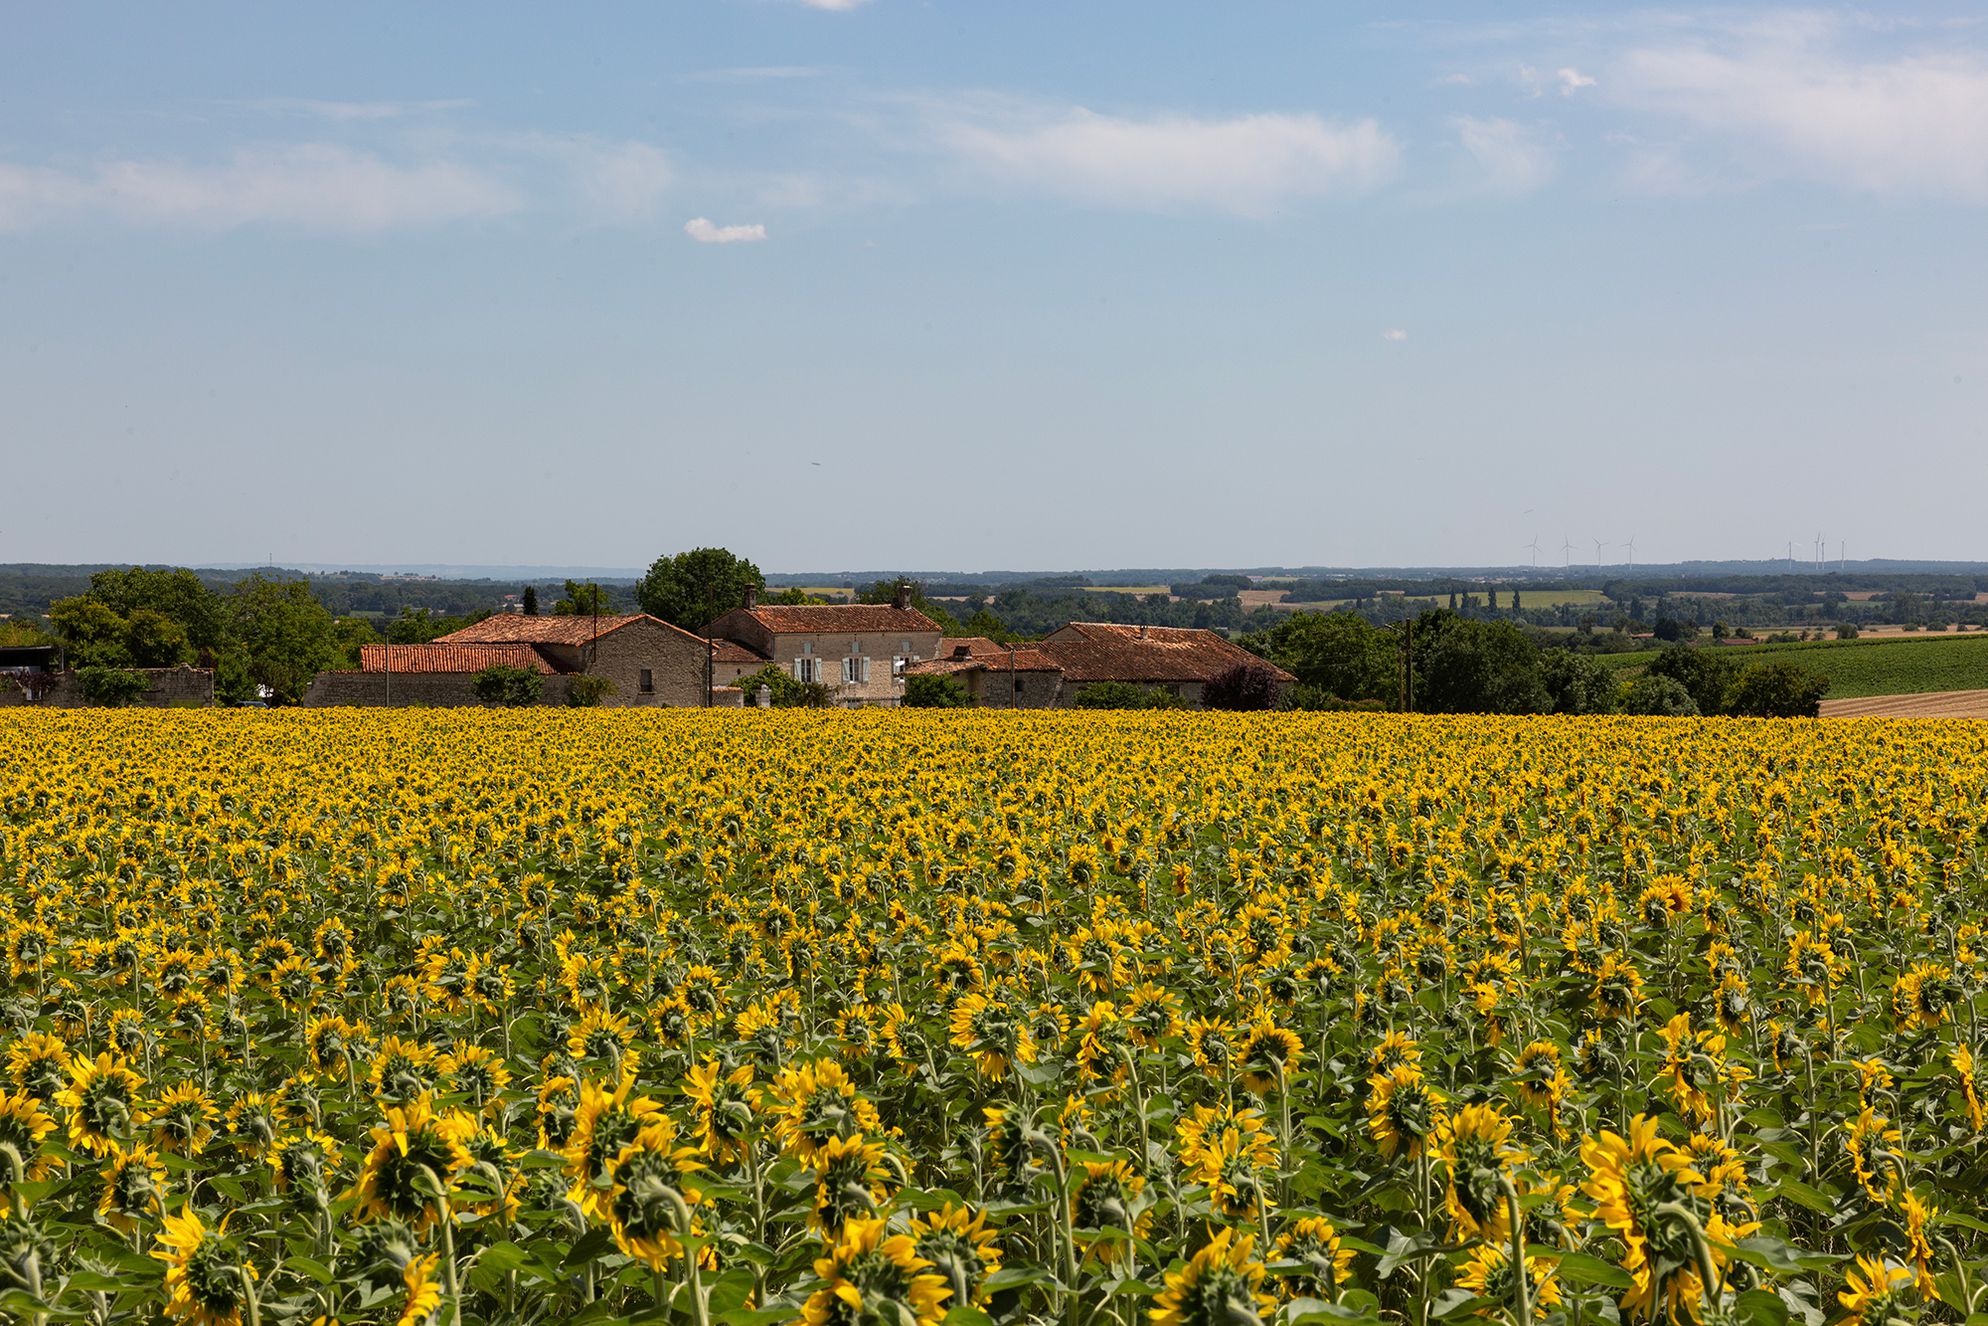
{"x":994,"y":687}
{"x":675,"y":660}
{"x":432,"y":690}
{"x":169,"y":688}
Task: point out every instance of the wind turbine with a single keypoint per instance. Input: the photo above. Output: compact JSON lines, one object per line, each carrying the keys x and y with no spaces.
{"x":1632,"y":550}
{"x":1599,"y":545}
{"x":1567,"y":550}
{"x":1534,"y":546}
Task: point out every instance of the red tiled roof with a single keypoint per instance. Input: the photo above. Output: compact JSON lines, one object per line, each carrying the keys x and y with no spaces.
{"x":976,"y":646}
{"x":514,"y":628}
{"x":840,"y":618}
{"x":1106,"y":651}
{"x":441,"y":657}
{"x":731,"y":651}
{"x":1025,"y":658}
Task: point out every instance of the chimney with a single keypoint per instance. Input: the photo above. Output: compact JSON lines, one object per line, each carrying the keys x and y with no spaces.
{"x":901,"y":598}
{"x":752,"y":597}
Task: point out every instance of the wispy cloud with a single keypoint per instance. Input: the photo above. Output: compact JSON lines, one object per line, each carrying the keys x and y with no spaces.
{"x":1798,"y":99}
{"x":347,"y":112}
{"x":310,"y":186}
{"x":835,"y":6}
{"x":1394,"y":334}
{"x":1572,"y":80}
{"x":757,"y":73}
{"x":1243,"y":165}
{"x":1508,"y":158}
{"x":705,"y":231}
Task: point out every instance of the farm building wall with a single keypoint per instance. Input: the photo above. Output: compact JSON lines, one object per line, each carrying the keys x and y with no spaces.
{"x":675,"y":660}
{"x":432,"y":690}
{"x":167,"y":688}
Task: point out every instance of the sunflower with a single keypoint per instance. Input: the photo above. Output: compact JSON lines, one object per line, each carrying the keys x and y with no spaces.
{"x":1395,"y":1049}
{"x":1228,"y":1153}
{"x":423,"y":1287}
{"x":1310,"y":1261}
{"x":650,"y":1179}
{"x":1916,"y":1217}
{"x":1211,"y":1042}
{"x":411,"y":1139}
{"x":182,"y":1123}
{"x":1403,"y":1112}
{"x":1630,"y":1179}
{"x":1872,"y":1145}
{"x":1474,"y":1144}
{"x":401,"y":1072}
{"x":1488,"y":1274}
{"x":303,"y":1164}
{"x":1692,"y":1064}
{"x":204,"y":1283}
{"x":725,"y":1104}
{"x":134,"y":1183}
{"x":1107,"y":1196}
{"x":1874,"y":1291}
{"x":987,"y":1028}
{"x":38,"y":1065}
{"x":871,"y":1275}
{"x":23,"y":1125}
{"x":603,"y":1037}
{"x":1219,"y":1286}
{"x":99,"y":1100}
{"x":814,"y":1102}
{"x":1921,"y":997}
{"x":850,"y":1182}
{"x":960,"y":1247}
{"x":605,"y":1122}
{"x":1268,"y":1054}
{"x":473,"y":1071}
{"x":1962,"y":1060}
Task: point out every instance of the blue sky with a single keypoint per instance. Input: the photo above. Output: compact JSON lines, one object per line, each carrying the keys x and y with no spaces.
{"x":886,"y":283}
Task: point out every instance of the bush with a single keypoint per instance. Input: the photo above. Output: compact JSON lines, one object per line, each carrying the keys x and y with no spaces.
{"x":1659,"y":695}
{"x":1706,"y":675}
{"x":1845,"y":631}
{"x":509,"y":686}
{"x":1125,"y":695}
{"x":1318,"y":700}
{"x":1577,"y":683}
{"x":1242,"y":687}
{"x":930,"y":690}
{"x":1780,"y":690}
{"x":787,"y":692}
{"x":112,"y":687}
{"x":589,"y":689}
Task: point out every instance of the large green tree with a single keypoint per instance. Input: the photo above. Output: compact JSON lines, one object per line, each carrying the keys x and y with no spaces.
{"x":692,"y":589}
{"x":1335,"y":653}
{"x":176,"y":594}
{"x":286,"y":637}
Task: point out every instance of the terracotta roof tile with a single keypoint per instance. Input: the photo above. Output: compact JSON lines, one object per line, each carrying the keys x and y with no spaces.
{"x":731,"y":651}
{"x":833,"y":618}
{"x":515,"y":628}
{"x":441,"y":657}
{"x":1106,"y":651}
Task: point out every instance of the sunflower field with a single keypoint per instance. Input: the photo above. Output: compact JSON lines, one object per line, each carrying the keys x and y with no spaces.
{"x":746,"y":1019}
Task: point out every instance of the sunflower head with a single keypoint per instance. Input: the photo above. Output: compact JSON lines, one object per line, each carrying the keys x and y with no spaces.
{"x":1219,"y":1286}
{"x":1876,"y":1292}
{"x":204,"y":1272}
{"x":960,"y":1247}
{"x":870,"y":1275}
{"x":1475,"y":1146}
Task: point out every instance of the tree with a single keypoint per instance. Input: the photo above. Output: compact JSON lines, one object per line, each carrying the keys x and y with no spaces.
{"x":284,"y":633}
{"x":1779,"y":690}
{"x":1707,"y":675}
{"x":92,"y":634}
{"x":794,"y":597}
{"x":348,"y":633}
{"x":531,"y":600}
{"x":1246,"y":686}
{"x":786,"y":692}
{"x":929,"y":690}
{"x":508,"y":686}
{"x":692,"y":589}
{"x":1577,"y":683}
{"x":588,"y":600}
{"x":1124,"y":695}
{"x":1334,"y":652}
{"x":1476,"y":667}
{"x":1659,"y":695}
{"x":1515,"y":602}
{"x":588,"y":689}
{"x":1671,"y":630}
{"x":154,"y":640}
{"x":177,"y":594}
{"x":112,"y":687}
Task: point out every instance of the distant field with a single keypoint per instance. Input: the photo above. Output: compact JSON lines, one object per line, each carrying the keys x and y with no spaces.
{"x":1129,"y":589}
{"x":1926,"y":704}
{"x":1528,"y":598}
{"x":1891,"y":666}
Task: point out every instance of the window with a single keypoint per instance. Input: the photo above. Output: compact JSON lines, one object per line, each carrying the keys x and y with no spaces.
{"x":807,"y":646}
{"x":807,"y":670}
{"x":648,"y":684}
{"x":855,"y":671}
{"x":904,"y":646}
{"x":1018,"y":686}
{"x":897,"y":666}
{"x":855,"y":646}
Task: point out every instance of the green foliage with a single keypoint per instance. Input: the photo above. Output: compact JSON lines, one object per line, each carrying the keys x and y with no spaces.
{"x":284,"y":633}
{"x":348,"y":634}
{"x":1779,"y":690}
{"x":111,"y":687}
{"x":982,"y":623}
{"x":1335,"y":653}
{"x":1707,"y":674}
{"x":232,"y":682}
{"x":1246,"y":686}
{"x":925,"y":690}
{"x":1659,"y":695}
{"x":92,"y":633}
{"x":787,"y":693}
{"x":531,"y":600}
{"x":1125,"y":695}
{"x":1313,"y":699}
{"x":692,"y":589}
{"x":588,"y":600}
{"x":1476,"y":667}
{"x":505,"y":685}
{"x":795,"y":597}
{"x":177,"y":594}
{"x":1577,"y":683}
{"x":588,"y":690}
{"x":154,"y":640}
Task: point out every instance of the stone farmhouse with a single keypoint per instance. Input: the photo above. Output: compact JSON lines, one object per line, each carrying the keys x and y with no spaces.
{"x":1048,"y":673}
{"x":860,"y":651}
{"x":649,"y":663}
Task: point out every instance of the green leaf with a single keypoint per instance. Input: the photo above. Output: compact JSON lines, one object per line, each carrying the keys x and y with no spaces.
{"x":1758,"y":1305}
{"x":965,"y":1315}
{"x":1581,"y":1268}
{"x":315,"y":1270}
{"x":1802,"y":1195}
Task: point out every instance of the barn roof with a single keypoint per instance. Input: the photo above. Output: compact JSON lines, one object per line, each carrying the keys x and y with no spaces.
{"x":444,"y":657}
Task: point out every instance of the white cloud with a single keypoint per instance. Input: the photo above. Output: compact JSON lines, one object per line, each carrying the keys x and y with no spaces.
{"x":1572,"y":81}
{"x":613,"y":180}
{"x":345,"y":112}
{"x":1457,"y":80}
{"x":1394,"y":334}
{"x":835,"y":6}
{"x":313,"y":186}
{"x":704,"y":231}
{"x":1509,"y":158}
{"x":1245,"y":165}
{"x":1797,"y":101}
